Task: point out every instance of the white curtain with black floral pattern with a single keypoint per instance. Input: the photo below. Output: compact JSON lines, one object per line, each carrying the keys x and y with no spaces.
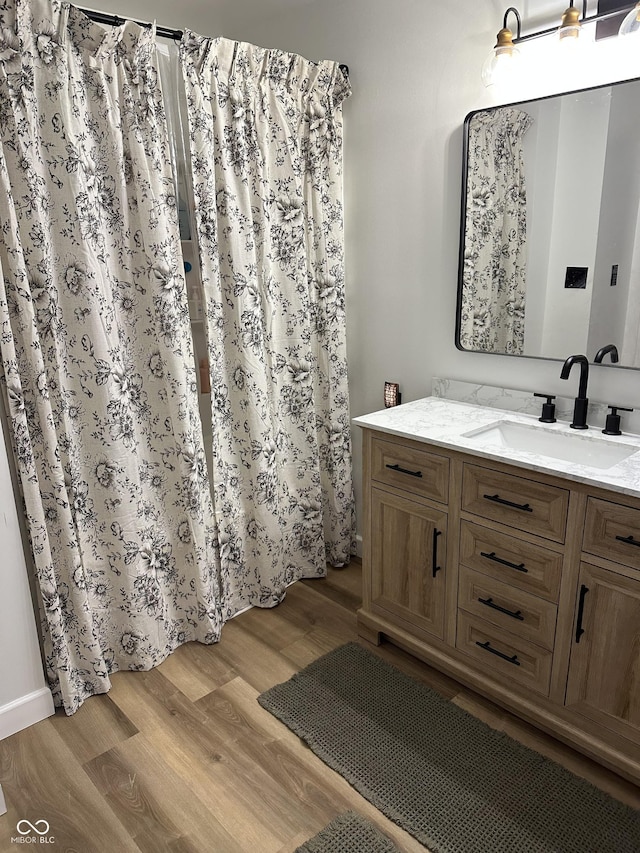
{"x":96,"y":350}
{"x":266,"y":153}
{"x":492,"y":316}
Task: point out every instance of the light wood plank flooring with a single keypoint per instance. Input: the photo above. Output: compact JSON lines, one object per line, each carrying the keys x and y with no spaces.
{"x":183,"y":759}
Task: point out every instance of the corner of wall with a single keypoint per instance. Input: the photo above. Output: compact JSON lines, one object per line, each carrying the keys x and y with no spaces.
{"x":24,"y":712}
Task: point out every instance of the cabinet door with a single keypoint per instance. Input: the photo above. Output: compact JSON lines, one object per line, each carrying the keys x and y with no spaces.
{"x":408,"y":548}
{"x":604,"y":671}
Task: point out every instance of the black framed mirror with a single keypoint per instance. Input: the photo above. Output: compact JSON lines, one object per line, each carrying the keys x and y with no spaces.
{"x":550,"y":229}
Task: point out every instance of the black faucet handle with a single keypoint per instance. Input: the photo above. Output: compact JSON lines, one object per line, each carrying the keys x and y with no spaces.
{"x":612,"y":425}
{"x":548,"y":415}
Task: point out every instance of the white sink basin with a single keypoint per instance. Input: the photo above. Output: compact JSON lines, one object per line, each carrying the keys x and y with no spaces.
{"x":593,"y":451}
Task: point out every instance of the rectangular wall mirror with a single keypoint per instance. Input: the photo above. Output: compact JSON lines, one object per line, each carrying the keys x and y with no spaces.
{"x":550,"y":229}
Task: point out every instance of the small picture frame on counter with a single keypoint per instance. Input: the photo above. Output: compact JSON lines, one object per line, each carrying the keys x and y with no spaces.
{"x":392,"y":395}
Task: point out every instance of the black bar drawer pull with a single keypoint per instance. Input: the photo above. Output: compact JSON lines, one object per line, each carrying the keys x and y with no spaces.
{"x":629,"y":540}
{"x":515,"y":614}
{"x":497,"y":499}
{"x":405,"y":471}
{"x":436,"y":567}
{"x":488,"y":648}
{"x":492,"y":556}
{"x":579,"y":629}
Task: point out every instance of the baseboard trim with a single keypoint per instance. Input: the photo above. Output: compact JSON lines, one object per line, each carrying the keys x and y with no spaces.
{"x":359,"y":545}
{"x":25,"y":711}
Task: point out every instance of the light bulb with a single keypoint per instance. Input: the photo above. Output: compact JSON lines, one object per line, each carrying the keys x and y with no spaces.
{"x":503,"y":60}
{"x":631,"y":24}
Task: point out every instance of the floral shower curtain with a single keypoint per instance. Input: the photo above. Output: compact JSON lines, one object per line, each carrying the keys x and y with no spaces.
{"x":495,"y":243}
{"x":266,"y":152}
{"x":96,"y":350}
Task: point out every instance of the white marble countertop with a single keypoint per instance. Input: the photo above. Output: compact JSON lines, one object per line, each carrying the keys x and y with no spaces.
{"x":446,"y":423}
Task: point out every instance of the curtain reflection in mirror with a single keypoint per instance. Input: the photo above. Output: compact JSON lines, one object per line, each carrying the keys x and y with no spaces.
{"x":493,"y":293}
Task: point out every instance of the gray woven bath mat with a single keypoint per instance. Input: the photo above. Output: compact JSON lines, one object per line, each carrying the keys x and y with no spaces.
{"x":349,"y":833}
{"x":454,"y":783}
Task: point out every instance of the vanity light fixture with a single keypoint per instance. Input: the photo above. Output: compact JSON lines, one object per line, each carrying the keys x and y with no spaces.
{"x":631,"y":24}
{"x":505,"y":55}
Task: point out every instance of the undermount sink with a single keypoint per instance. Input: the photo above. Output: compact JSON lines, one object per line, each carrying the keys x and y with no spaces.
{"x":595,"y":452}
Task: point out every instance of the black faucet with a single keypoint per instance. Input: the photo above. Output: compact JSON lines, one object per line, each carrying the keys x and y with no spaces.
{"x":610,"y":348}
{"x":582,"y":403}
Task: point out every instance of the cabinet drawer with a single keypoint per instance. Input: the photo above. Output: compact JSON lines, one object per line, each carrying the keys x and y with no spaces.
{"x":516,"y":611}
{"x":516,"y":501}
{"x":520,"y":564}
{"x":410,"y":468}
{"x":612,"y":531}
{"x":503,"y":655}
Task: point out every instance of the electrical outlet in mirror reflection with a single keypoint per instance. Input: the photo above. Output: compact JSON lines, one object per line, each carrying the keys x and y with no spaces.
{"x":392,"y":395}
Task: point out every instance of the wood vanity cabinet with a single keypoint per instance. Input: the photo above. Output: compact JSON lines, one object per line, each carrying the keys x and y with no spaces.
{"x":523,"y":586}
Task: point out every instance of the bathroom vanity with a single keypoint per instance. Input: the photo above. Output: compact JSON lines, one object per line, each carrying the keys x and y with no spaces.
{"x":507,"y":554}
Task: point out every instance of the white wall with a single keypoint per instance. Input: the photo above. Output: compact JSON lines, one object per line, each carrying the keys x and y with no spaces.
{"x":415,"y":71}
{"x":574,"y":220}
{"x":617,"y":233}
{"x":540,"y":150}
{"x":631,"y":343}
{"x":24,"y":699}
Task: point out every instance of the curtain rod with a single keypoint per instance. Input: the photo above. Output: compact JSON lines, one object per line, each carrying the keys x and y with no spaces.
{"x":165,"y":32}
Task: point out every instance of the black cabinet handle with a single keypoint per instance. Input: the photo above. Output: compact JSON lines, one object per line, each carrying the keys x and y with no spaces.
{"x":488,"y":648}
{"x":515,"y":614}
{"x":492,"y":556}
{"x":436,"y":567}
{"x":497,"y":499}
{"x":629,"y":540}
{"x":405,"y":471}
{"x":579,"y":629}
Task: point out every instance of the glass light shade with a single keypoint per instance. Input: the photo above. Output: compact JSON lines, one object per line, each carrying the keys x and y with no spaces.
{"x":631,"y":24}
{"x":500,"y":66}
{"x":568,"y":34}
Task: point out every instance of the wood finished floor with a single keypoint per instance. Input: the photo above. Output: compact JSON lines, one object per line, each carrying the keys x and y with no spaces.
{"x":183,"y":759}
